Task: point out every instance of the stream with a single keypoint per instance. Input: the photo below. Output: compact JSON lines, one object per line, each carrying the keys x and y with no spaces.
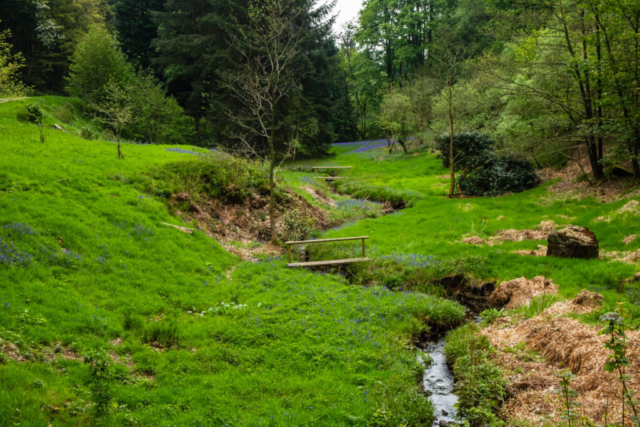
{"x":438,"y":382}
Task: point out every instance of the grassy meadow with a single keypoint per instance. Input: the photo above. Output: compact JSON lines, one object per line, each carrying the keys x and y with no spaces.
{"x":433,"y":228}
{"x":199,"y":337}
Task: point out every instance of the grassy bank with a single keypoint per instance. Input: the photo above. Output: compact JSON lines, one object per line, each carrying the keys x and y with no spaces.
{"x":194,"y":335}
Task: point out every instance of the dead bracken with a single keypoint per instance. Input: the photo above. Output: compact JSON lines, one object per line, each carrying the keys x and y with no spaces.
{"x":520,"y":292}
{"x":565,"y":344}
{"x":512,"y":235}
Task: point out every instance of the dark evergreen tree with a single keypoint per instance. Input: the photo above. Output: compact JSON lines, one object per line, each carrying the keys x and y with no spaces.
{"x":194,"y":50}
{"x":137,"y":29}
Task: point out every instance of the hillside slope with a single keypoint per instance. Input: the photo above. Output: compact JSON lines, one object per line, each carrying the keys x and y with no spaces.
{"x":196,"y":336}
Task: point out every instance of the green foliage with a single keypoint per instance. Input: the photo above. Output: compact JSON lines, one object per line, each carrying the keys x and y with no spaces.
{"x":100,"y":379}
{"x":480,"y":386}
{"x":158,"y":117}
{"x":64,"y":113}
{"x":33,"y":114}
{"x":618,"y":360}
{"x":96,"y":63}
{"x":88,"y":133}
{"x":212,"y":174}
{"x":484,"y":173}
{"x":165,"y":334}
{"x":397,"y":119}
{"x":297,"y":226}
{"x":10,"y":66}
{"x":489,"y":316}
{"x":568,"y":396}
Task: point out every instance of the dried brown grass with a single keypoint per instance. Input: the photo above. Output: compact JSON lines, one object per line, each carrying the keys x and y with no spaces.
{"x":541,"y":232}
{"x":565,"y":344}
{"x":520,"y":292}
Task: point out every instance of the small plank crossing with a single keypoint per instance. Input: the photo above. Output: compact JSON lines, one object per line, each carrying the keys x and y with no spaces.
{"x":329,"y":263}
{"x":330,"y":178}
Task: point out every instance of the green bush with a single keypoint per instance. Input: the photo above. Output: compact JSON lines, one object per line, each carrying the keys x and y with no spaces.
{"x":31,"y":113}
{"x":297,"y":226}
{"x":64,"y":113}
{"x":484,"y":173}
{"x":88,"y":133}
{"x":22,"y":115}
{"x":100,"y":379}
{"x":480,"y":385}
{"x":501,"y":175}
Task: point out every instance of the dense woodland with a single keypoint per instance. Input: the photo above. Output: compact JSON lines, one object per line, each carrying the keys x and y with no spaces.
{"x":551,"y":80}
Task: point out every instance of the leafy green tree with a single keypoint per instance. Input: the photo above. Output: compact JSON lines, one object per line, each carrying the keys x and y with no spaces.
{"x":115,"y":110}
{"x":397,"y":119}
{"x":97,"y":61}
{"x":47,"y":33}
{"x":158,"y":118}
{"x":364,"y":82}
{"x":10,"y":66}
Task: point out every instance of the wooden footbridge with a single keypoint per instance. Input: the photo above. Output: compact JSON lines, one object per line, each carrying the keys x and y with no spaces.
{"x":330,"y":263}
{"x":330,"y":178}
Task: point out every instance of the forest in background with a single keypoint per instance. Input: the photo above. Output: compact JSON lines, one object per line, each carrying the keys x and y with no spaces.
{"x":547,"y":81}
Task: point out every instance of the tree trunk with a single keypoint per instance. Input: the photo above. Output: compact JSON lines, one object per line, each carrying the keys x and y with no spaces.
{"x":120,"y":156}
{"x":272,"y":184}
{"x":452,"y":159}
{"x":403,"y":145}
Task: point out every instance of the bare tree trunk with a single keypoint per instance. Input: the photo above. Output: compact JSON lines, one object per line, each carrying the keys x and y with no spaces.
{"x":452,"y":159}
{"x":120,"y":155}
{"x":403,"y":145}
{"x":272,"y":184}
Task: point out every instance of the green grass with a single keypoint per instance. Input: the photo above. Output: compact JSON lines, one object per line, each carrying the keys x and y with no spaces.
{"x":435,"y":226}
{"x":197,"y":337}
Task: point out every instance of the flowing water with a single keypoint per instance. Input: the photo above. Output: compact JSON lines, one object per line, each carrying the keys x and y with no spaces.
{"x":438,"y":380}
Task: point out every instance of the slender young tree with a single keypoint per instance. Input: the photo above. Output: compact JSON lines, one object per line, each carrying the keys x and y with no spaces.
{"x":450,"y":71}
{"x":115,"y":111}
{"x":268,"y":46}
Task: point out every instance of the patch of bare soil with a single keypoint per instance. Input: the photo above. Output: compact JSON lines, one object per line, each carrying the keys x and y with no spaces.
{"x":629,"y":239}
{"x":519,"y":292}
{"x":565,"y":344}
{"x":238,"y":226}
{"x":541,"y":232}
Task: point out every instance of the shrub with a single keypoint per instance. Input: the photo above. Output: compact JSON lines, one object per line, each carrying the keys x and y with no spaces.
{"x":22,"y":115}
{"x":501,"y":175}
{"x":33,"y":114}
{"x":297,"y":226}
{"x":88,"y":133}
{"x":484,"y":173}
{"x":100,"y":379}
{"x":64,"y":113}
{"x":480,"y":386}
